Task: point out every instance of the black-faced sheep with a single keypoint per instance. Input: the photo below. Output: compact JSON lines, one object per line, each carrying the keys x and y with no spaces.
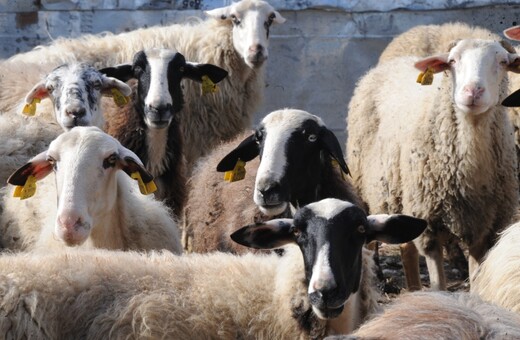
{"x":234,"y":37}
{"x":498,"y":278}
{"x":88,"y":201}
{"x":75,"y":90}
{"x":321,"y":286}
{"x":443,"y":152}
{"x":296,"y":152}
{"x":150,"y":127}
{"x":439,"y":315}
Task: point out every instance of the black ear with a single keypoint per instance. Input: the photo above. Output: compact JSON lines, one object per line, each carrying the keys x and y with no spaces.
{"x":265,"y":235}
{"x":122,"y":72}
{"x":130,"y":166}
{"x":330,"y":143}
{"x":247,"y":150}
{"x":394,"y":229}
{"x":513,"y":100}
{"x":197,"y":71}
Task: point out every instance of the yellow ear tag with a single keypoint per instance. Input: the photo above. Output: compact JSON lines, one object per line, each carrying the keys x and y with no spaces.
{"x":426,"y":77}
{"x":118,"y":97}
{"x":336,"y":165}
{"x":238,"y":173}
{"x":30,"y":109}
{"x":144,"y":188}
{"x":208,"y":86}
{"x":27,"y":190}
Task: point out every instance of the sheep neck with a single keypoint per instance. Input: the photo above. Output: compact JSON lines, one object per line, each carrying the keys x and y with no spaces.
{"x":157,"y":140}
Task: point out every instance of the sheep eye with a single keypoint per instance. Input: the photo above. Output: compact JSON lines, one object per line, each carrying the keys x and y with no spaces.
{"x":295,"y":231}
{"x":503,"y":63}
{"x":52,"y":162}
{"x":361,"y":229}
{"x":97,"y":85}
{"x":451,"y":61}
{"x":50,"y":88}
{"x":110,"y":161}
{"x":271,"y":19}
{"x":235,"y":20}
{"x":258,"y":136}
{"x":312,"y":138}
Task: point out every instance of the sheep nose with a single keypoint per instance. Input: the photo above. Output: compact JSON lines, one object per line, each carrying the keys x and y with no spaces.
{"x":256,"y":48}
{"x":270,"y":193}
{"x":69,"y":220}
{"x":77,"y":113}
{"x":474,"y":91}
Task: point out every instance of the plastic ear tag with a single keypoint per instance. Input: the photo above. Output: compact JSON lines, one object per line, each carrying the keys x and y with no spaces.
{"x":144,"y":188}
{"x":120,"y":99}
{"x":30,"y":109}
{"x":238,"y":173}
{"x":27,"y":190}
{"x":336,"y":165}
{"x":208,"y":86}
{"x":426,"y":77}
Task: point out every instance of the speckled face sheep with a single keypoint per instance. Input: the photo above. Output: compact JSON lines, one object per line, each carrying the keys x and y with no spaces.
{"x":443,"y":152}
{"x":151,"y":126}
{"x":96,"y":201}
{"x":75,"y":90}
{"x":296,"y":152}
{"x":323,"y":285}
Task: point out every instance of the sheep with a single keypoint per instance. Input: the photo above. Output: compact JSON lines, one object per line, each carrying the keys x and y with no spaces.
{"x":497,"y":277}
{"x":439,"y":315}
{"x":150,"y":126}
{"x":446,"y":154}
{"x":75,"y":90}
{"x":234,"y":37}
{"x":513,"y":101}
{"x":89,"y":203}
{"x":322,"y":285}
{"x":296,"y":167}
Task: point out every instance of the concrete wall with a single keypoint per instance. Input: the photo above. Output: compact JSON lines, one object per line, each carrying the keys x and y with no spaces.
{"x":316,"y":57}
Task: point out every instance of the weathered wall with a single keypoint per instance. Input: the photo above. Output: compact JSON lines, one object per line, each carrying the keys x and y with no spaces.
{"x":316,"y":57}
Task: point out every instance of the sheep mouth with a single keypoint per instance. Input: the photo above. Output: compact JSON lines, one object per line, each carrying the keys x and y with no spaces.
{"x":256,"y":60}
{"x":273,"y":209}
{"x":328,"y":312}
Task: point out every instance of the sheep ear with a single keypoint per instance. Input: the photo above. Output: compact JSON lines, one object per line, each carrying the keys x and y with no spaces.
{"x":513,"y":100}
{"x":394,"y":229}
{"x":514,"y":64}
{"x":39,"y":91}
{"x":122,"y":72}
{"x":221,"y":13}
{"x":278,"y":19}
{"x":247,"y":150}
{"x":133,"y":167}
{"x":513,"y":33}
{"x":38,"y":167}
{"x":436,"y":63}
{"x":110,"y":84}
{"x":267,"y":235}
{"x":330,"y":143}
{"x":196,"y":71}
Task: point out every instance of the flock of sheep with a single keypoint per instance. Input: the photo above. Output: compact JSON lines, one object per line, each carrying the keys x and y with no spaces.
{"x":116,"y":221}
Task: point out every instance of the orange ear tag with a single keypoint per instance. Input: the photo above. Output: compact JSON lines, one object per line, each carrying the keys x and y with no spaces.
{"x":27,"y":190}
{"x":238,"y":173}
{"x":30,"y":109}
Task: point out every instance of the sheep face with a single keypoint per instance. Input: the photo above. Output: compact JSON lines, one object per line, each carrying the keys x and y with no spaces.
{"x":478,"y":67}
{"x":330,"y":234}
{"x":76,"y":90}
{"x":159,"y":73}
{"x":292,"y":145}
{"x":251,"y":22}
{"x":85,"y":161}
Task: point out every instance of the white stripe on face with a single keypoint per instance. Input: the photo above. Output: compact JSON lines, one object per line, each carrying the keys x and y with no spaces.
{"x":322,"y":277}
{"x":158,"y":93}
{"x":329,"y":207}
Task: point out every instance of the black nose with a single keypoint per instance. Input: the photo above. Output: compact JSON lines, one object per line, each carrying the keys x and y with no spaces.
{"x":79,"y":113}
{"x":271,"y":193}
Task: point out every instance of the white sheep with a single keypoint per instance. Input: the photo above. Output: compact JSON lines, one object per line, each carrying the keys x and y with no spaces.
{"x":498,"y":277}
{"x":443,"y":152}
{"x":300,"y":161}
{"x":234,"y":37}
{"x":150,"y":126}
{"x":88,"y":201}
{"x":75,"y":90}
{"x":439,"y":315}
{"x":324,"y":284}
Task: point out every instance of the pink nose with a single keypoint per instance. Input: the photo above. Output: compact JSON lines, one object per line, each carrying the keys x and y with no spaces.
{"x":474,"y":91}
{"x":256,"y":48}
{"x":69,"y":220}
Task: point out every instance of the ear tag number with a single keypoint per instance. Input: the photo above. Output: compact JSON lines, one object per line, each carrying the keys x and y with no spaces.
{"x":208,"y":86}
{"x":30,"y":109}
{"x":426,"y":77}
{"x":238,"y":173}
{"x":27,"y":190}
{"x":144,"y":188}
{"x":120,"y":99}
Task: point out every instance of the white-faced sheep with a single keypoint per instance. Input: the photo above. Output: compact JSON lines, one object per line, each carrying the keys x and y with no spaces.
{"x":513,"y":101}
{"x":439,"y":315}
{"x":321,"y":286}
{"x":150,"y":127}
{"x":498,"y":278}
{"x":296,"y":152}
{"x":443,"y":152}
{"x":234,"y":37}
{"x":75,"y":90}
{"x":90,"y":201}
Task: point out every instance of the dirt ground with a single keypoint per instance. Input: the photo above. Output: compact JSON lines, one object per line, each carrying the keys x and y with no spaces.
{"x":391,"y":275}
